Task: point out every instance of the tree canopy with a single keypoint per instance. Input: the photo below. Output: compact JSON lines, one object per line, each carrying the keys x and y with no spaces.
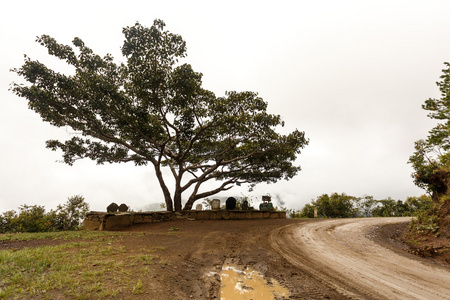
{"x":431,"y":160}
{"x":431,"y":163}
{"x":152,"y":109}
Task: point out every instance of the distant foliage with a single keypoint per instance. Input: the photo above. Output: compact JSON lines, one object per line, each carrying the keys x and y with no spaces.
{"x":345,"y":206}
{"x":331,"y":206}
{"x":33,"y":218}
{"x":28,"y":219}
{"x":292,"y":213}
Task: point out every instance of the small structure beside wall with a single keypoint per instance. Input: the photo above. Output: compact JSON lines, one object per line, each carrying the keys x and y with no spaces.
{"x":114,"y":221}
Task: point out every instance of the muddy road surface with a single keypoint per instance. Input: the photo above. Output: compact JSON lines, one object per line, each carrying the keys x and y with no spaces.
{"x":309,"y":259}
{"x":339,"y":254}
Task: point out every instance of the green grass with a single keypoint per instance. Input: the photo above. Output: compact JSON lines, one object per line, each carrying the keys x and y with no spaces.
{"x":138,"y":287}
{"x":94,"y":267}
{"x":59,"y":235}
{"x":146,"y":259}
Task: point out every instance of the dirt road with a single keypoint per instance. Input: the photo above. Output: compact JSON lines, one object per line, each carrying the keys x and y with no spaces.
{"x":312,"y":259}
{"x":338,"y":253}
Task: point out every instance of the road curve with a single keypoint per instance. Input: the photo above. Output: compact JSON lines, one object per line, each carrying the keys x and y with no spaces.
{"x":337,"y":252}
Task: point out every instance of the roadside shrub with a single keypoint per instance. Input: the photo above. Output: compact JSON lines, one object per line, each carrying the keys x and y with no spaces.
{"x":307,"y":211}
{"x":8,"y":221}
{"x":70,"y":215}
{"x":33,"y":218}
{"x":344,"y":206}
{"x":292,"y":213}
{"x":331,"y":206}
{"x":427,"y":221}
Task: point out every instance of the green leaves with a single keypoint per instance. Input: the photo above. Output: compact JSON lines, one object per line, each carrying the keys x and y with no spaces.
{"x":33,"y":218}
{"x":152,"y":110}
{"x":430,"y":159}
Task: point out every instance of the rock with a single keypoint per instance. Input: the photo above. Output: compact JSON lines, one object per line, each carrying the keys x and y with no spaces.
{"x":230,"y":203}
{"x":215,"y":204}
{"x":123,"y":207}
{"x":117,"y":222}
{"x":113,"y":207}
{"x":245,"y":205}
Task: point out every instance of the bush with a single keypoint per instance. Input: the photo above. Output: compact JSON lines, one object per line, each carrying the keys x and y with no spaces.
{"x":8,"y":221}
{"x":344,"y":206}
{"x":291,"y":213}
{"x":307,"y":211}
{"x":34,"y":218}
{"x":70,"y":215}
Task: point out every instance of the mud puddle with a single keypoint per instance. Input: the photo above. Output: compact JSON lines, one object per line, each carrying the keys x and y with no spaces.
{"x":239,"y":282}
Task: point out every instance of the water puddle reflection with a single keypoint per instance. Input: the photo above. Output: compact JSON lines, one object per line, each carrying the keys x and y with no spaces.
{"x":239,"y":283}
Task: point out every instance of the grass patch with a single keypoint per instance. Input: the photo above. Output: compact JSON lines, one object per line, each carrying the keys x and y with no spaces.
{"x":138,"y":287}
{"x":96,"y":267}
{"x":146,"y":258}
{"x":60,"y":235}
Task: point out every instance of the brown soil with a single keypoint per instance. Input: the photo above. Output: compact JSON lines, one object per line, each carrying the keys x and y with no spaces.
{"x":338,"y":253}
{"x":200,"y":248}
{"x":191,"y":255}
{"x":396,"y":236}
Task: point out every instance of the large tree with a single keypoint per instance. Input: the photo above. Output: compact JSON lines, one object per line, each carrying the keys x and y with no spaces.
{"x":152,"y":109}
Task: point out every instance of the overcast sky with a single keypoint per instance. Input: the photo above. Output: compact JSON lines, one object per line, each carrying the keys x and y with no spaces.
{"x":351,"y":74}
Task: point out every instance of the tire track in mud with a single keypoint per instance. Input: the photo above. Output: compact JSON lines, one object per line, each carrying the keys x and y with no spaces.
{"x":337,"y":253}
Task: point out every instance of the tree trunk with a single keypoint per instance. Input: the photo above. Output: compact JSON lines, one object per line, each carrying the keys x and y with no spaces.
{"x":167,"y":197}
{"x":177,"y":199}
{"x":189,"y":204}
{"x":177,"y":195}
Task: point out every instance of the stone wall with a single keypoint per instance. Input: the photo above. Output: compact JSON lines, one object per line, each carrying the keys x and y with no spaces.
{"x":235,"y":215}
{"x":114,"y":221}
